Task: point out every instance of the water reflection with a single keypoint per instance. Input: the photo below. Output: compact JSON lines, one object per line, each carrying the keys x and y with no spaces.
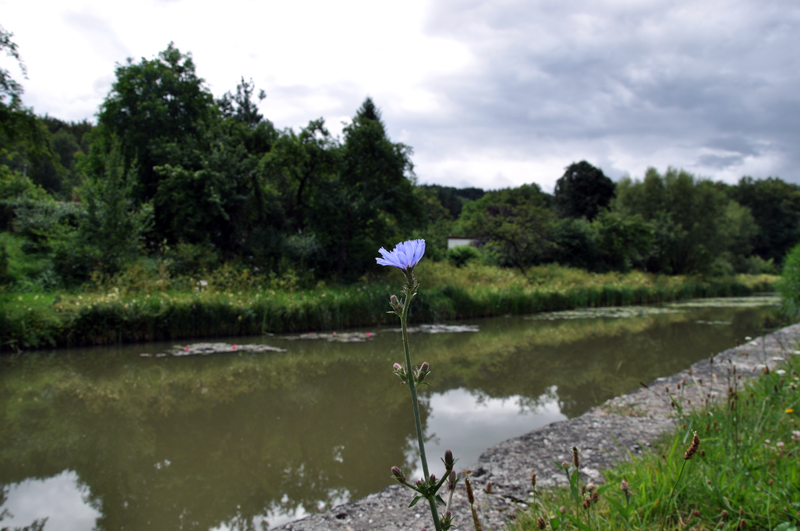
{"x":60,"y":499}
{"x":235,"y":440}
{"x":460,"y":420}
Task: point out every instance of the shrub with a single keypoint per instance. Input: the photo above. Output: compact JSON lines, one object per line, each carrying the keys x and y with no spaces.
{"x":789,"y":285}
{"x":459,"y":256}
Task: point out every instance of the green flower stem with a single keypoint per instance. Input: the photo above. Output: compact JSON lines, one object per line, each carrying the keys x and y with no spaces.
{"x":410,"y":292}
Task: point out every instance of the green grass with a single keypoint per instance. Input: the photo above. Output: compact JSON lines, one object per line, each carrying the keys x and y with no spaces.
{"x":147,"y":305}
{"x":746,"y":474}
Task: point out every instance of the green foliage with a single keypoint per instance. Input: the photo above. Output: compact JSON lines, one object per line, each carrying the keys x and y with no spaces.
{"x":583,"y":191}
{"x":461,"y":255}
{"x":372,"y":202}
{"x":153,"y":103}
{"x":148,"y":301}
{"x":625,"y":242}
{"x":775,"y":206}
{"x":516,"y":223}
{"x":576,"y":244}
{"x":789,"y":286}
{"x":694,"y":225}
{"x":453,"y":199}
{"x":5,"y":273}
{"x":110,"y":231}
{"x":745,"y":471}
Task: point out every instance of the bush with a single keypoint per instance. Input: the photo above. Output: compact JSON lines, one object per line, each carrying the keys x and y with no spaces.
{"x":789,"y":285}
{"x":459,"y":256}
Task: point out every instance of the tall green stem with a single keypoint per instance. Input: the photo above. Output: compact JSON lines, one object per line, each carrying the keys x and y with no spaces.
{"x":413,"y":386}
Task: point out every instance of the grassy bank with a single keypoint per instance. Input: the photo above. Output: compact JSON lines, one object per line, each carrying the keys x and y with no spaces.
{"x":131,"y":310}
{"x":746,"y":474}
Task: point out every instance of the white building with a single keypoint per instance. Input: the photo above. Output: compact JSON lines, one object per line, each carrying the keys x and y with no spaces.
{"x":458,"y":241}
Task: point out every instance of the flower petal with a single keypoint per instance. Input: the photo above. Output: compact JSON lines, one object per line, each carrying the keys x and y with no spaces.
{"x":405,"y":255}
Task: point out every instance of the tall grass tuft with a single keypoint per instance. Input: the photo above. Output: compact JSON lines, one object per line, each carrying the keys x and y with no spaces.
{"x":733,"y":465}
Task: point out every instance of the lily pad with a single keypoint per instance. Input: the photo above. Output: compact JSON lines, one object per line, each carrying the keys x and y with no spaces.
{"x":339,"y":337}
{"x":439,"y":329}
{"x":204,"y":349}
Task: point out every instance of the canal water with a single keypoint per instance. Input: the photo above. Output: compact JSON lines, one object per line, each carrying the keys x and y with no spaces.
{"x":134,"y":437}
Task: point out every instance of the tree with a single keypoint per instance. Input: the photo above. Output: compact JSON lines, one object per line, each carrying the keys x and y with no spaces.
{"x":111,"y":229}
{"x":517,"y":223}
{"x":583,"y":191}
{"x":153,"y":103}
{"x":10,"y":89}
{"x":372,"y":202}
{"x":775,"y":207}
{"x":240,"y":106}
{"x":695,"y":230}
{"x":21,"y":134}
{"x":212,"y":190}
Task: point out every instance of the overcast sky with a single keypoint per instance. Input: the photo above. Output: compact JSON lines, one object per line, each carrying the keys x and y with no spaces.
{"x":489,"y":93}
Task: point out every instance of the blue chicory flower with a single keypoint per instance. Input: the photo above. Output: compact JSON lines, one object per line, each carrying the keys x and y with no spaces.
{"x":405,"y":255}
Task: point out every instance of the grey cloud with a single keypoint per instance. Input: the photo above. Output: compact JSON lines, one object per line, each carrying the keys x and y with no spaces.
{"x":711,"y":73}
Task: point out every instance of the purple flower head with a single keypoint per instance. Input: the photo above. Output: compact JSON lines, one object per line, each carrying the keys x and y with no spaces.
{"x":405,"y":255}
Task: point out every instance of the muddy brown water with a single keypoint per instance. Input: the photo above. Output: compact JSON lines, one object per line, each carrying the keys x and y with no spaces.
{"x":135,"y":437}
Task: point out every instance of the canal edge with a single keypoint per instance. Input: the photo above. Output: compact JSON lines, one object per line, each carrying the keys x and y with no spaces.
{"x":606,"y":434}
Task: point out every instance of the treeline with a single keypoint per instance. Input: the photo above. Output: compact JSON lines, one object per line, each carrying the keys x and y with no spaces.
{"x":670,"y":223}
{"x":178,"y":182}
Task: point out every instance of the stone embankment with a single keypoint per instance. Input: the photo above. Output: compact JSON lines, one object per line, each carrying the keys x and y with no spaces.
{"x":626,"y":425}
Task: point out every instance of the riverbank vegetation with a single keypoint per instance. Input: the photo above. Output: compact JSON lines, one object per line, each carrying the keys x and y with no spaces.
{"x":744,"y":476}
{"x":180,"y":212}
{"x":228,"y":303}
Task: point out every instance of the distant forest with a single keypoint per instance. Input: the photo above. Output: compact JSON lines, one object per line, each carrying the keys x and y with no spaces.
{"x":172,"y":177}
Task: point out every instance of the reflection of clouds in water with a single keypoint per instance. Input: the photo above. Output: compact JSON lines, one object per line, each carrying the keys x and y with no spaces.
{"x":58,"y":498}
{"x":468,"y":423}
{"x":281,"y":513}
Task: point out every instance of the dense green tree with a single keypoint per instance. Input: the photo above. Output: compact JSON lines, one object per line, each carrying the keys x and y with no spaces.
{"x":583,"y":191}
{"x":517,"y":223}
{"x":211,"y":191}
{"x":372,"y":203}
{"x":295,"y":167}
{"x":111,"y":230}
{"x":694,"y":228}
{"x":775,"y":206}
{"x":240,"y":106}
{"x":24,"y":141}
{"x":454,"y":199}
{"x":153,"y":103}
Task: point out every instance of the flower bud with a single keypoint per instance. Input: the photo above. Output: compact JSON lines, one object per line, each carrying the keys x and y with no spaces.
{"x":451,"y":481}
{"x":541,"y":523}
{"x":448,"y":460}
{"x":398,"y":474}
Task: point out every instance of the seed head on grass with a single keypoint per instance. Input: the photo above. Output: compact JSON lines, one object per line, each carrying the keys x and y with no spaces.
{"x":575,"y":459}
{"x":692,"y":448}
{"x":470,"y":494}
{"x":541,"y":523}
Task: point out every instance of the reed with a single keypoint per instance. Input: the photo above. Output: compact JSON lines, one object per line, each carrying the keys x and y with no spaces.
{"x":247,"y":305}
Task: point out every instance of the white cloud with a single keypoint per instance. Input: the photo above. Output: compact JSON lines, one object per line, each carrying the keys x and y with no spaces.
{"x":488,"y":93}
